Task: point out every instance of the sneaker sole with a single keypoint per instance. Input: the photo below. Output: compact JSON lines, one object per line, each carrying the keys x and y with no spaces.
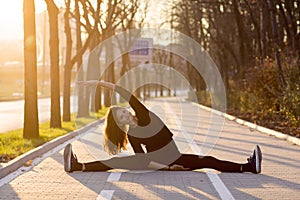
{"x":67,"y":157}
{"x":258,"y":158}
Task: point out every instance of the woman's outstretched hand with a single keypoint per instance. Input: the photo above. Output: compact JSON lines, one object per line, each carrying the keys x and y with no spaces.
{"x":178,"y":168}
{"x":88,"y":83}
{"x":96,"y":82}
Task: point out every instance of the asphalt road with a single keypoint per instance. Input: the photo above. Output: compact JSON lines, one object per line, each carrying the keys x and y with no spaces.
{"x":12,"y":113}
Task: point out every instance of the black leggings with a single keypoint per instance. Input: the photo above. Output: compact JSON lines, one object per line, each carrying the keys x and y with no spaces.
{"x":198,"y":162}
{"x":141,"y":162}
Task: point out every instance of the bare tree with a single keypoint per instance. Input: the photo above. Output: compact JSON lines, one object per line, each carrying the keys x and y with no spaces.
{"x":104,"y":25}
{"x":128,"y":16}
{"x":79,"y":51}
{"x":98,"y":26}
{"x":67,"y":67}
{"x":31,"y":124}
{"x":77,"y":58}
{"x":256,"y":44}
{"x":129,"y":21}
{"x":272,"y":8}
{"x":263,"y":28}
{"x":55,"y":119}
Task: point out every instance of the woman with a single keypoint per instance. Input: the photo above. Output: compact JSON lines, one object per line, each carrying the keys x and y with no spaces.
{"x":146,"y":129}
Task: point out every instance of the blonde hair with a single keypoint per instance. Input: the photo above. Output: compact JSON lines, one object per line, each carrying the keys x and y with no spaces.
{"x":115,"y":137}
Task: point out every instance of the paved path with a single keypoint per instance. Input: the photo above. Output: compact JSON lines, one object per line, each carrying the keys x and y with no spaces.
{"x":280,"y":178}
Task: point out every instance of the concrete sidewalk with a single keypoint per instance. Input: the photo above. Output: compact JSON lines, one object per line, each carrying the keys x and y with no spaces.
{"x":194,"y":131}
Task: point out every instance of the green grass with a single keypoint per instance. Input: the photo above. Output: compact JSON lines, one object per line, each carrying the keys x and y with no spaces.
{"x":12,"y":143}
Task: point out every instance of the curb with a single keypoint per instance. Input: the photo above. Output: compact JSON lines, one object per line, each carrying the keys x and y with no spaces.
{"x":291,"y":139}
{"x":19,"y":161}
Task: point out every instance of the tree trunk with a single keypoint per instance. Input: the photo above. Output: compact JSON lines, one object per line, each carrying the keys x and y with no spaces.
{"x":125,"y":63}
{"x":31,"y":123}
{"x":241,"y":34}
{"x":82,"y":109}
{"x":55,"y":119}
{"x":264,"y":44}
{"x":67,"y":94}
{"x":272,"y":9}
{"x":108,"y":73}
{"x":93,"y":73}
{"x":124,"y":69}
{"x":291,"y":27}
{"x":67,"y":68}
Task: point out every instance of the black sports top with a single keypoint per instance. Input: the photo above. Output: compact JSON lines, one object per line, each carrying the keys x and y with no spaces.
{"x":151,"y":131}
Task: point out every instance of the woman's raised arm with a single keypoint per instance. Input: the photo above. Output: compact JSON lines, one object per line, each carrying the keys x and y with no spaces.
{"x":96,"y":82}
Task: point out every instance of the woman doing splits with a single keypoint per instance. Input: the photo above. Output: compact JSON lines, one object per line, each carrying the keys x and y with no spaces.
{"x":147,"y":129}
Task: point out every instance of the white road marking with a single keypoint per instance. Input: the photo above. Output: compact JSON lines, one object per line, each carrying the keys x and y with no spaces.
{"x":115,"y":176}
{"x":218,"y":184}
{"x":108,"y":194}
{"x":105,"y":195}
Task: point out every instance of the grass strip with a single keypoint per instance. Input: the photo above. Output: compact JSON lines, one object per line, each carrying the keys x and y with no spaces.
{"x":12,"y":143}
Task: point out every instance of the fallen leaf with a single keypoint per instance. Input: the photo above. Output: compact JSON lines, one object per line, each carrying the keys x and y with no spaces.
{"x":28,"y":163}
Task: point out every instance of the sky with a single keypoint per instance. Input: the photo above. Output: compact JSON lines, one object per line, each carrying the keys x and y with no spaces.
{"x":11,"y":18}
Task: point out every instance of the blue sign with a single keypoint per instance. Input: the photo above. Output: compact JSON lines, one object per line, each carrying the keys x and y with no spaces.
{"x":140,"y":47}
